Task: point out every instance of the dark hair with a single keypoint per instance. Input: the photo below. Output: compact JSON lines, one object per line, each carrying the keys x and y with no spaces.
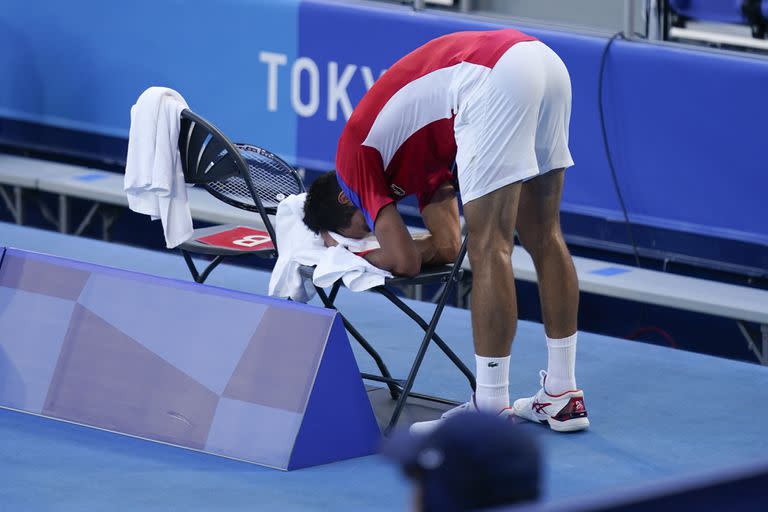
{"x":322,"y":210}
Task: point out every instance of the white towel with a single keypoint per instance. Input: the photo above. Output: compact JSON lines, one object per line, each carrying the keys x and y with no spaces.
{"x":297,"y":246}
{"x":154,"y":179}
{"x":356,"y":245}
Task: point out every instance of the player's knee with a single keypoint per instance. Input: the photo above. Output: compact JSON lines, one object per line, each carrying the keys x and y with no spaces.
{"x":486,"y":253}
{"x":541,"y":241}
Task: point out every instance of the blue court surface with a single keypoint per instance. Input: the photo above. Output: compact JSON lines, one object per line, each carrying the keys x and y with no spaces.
{"x":656,"y":414}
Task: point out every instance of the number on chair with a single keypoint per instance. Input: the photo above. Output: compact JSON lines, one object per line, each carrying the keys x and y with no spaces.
{"x":251,"y":240}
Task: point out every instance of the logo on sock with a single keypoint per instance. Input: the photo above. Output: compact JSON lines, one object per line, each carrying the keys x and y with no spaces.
{"x":493,"y":364}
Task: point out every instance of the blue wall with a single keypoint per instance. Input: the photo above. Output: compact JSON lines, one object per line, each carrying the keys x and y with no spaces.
{"x":81,"y":64}
{"x":686,"y":127}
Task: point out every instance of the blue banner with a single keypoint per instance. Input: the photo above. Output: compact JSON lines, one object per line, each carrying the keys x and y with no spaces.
{"x":683,"y":123}
{"x":81,"y":64}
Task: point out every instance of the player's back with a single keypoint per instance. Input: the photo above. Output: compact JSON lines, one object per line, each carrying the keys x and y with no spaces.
{"x":421,"y":89}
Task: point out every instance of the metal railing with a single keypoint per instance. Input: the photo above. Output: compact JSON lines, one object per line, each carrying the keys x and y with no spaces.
{"x":463,"y":5}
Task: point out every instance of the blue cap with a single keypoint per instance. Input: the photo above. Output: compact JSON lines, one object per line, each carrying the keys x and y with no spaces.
{"x":470,"y":461}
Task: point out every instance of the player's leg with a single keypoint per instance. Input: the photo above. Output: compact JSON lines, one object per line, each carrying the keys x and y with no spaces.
{"x":495,"y":138}
{"x":558,"y":402}
{"x":490,"y":228}
{"x":496,"y":156}
{"x":539,"y":231}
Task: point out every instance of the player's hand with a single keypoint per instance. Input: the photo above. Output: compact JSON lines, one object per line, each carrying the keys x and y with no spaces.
{"x":328,"y":239}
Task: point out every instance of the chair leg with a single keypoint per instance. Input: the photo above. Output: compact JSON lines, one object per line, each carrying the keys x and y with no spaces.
{"x":437,"y":339}
{"x":212,"y":265}
{"x":198,"y":277}
{"x":394,"y":389}
{"x":190,"y":265}
{"x":428,"y":335}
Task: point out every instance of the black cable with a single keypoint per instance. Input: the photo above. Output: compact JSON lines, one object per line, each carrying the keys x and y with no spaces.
{"x":630,"y":233}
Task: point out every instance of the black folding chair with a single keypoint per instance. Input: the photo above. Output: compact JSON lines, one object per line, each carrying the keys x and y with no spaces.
{"x":256,"y":180}
{"x":400,"y":390}
{"x":241,"y":175}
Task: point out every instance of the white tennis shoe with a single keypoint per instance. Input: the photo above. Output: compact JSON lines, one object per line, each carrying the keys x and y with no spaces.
{"x":424,"y":427}
{"x":565,"y":412}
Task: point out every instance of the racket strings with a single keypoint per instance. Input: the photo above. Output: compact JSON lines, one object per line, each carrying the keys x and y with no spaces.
{"x":272,"y":179}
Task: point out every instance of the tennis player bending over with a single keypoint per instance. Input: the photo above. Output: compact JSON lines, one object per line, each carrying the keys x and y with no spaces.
{"x":499,"y":104}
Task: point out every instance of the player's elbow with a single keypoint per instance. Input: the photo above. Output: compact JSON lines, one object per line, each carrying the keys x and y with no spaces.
{"x":406,"y":270}
{"x":449,"y":252}
{"x":407,"y":266}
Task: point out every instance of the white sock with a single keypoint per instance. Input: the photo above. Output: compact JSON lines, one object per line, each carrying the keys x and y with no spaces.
{"x":492,"y":393}
{"x":561,"y":365}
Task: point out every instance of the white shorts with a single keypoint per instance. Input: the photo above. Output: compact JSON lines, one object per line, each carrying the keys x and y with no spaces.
{"x":515,"y":125}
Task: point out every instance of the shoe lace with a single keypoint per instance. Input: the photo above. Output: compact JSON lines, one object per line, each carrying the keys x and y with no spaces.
{"x":542,"y":377}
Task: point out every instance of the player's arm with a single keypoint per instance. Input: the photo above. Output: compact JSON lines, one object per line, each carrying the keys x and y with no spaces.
{"x":440,"y":246}
{"x":398,"y":253}
{"x":441,"y":217}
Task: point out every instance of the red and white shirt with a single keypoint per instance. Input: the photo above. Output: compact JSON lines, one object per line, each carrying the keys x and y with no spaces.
{"x":400,"y":140}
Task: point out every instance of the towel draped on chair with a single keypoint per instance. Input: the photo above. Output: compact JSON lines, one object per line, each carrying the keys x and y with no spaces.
{"x":154,"y":179}
{"x":298,"y":246}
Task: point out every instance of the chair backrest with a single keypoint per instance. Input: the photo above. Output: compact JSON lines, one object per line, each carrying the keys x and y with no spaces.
{"x":241,"y":175}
